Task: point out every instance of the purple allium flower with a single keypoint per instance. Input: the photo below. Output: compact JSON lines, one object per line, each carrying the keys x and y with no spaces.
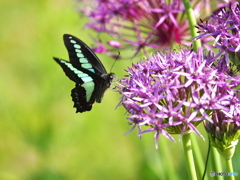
{"x":140,"y":23}
{"x":224,"y":27}
{"x":101,"y":48}
{"x":223,"y":135}
{"x":225,"y":3}
{"x":172,"y":92}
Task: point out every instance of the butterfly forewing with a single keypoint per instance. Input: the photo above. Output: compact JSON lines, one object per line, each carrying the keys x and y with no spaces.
{"x":81,"y":55}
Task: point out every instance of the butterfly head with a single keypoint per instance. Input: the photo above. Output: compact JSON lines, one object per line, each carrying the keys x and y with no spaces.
{"x":109,"y":78}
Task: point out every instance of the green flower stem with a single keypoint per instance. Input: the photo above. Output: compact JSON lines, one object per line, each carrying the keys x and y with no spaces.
{"x":187,"y":146}
{"x":230,"y":168}
{"x":216,"y":162}
{"x":192,"y":23}
{"x":199,"y":163}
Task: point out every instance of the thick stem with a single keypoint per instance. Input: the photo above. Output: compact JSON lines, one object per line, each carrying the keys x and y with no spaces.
{"x":192,"y":23}
{"x":216,"y":163}
{"x":230,"y":168}
{"x":187,"y":146}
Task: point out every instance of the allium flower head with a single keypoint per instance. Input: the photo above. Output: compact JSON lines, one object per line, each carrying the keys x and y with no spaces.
{"x":172,"y":92}
{"x":139,"y":23}
{"x":224,"y":27}
{"x":225,"y":3}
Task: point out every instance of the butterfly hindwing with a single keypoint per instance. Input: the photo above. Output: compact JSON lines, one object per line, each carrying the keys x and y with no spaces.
{"x":80,"y":99}
{"x":87,"y":71}
{"x":82,"y":94}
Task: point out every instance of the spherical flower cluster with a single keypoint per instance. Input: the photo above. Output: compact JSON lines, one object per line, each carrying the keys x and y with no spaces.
{"x":224,"y":27}
{"x":172,"y":92}
{"x":140,"y":24}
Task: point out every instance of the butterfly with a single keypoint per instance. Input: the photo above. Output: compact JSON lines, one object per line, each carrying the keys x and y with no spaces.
{"x":87,"y":71}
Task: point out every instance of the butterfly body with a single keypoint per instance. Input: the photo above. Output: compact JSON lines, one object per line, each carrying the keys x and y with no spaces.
{"x":87,"y":71}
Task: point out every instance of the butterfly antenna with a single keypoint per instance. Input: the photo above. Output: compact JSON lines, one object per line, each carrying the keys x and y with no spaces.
{"x":115,"y":60}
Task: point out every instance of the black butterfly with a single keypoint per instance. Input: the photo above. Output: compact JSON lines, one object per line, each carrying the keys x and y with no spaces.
{"x":87,"y":71}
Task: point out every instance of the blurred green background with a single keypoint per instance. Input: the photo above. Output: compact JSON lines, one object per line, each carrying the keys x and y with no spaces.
{"x":41,"y":136}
